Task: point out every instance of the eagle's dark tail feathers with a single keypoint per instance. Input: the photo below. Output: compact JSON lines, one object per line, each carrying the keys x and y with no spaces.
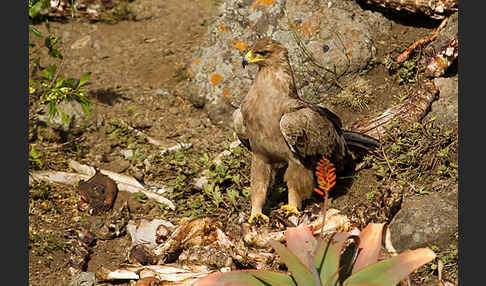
{"x":360,"y":140}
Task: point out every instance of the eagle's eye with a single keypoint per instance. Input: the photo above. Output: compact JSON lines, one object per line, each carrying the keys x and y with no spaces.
{"x":262,"y":53}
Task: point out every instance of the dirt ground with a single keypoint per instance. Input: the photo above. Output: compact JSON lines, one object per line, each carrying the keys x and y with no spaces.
{"x":136,"y":66}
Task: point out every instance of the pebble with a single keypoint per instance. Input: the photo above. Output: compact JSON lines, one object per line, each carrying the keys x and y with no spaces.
{"x":81,"y":43}
{"x":161,"y":92}
{"x":127,"y":153}
{"x":83,"y":279}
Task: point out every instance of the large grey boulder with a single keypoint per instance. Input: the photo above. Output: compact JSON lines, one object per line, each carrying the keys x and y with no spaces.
{"x":426,"y":221}
{"x":325,"y":42}
{"x":446,"y":108}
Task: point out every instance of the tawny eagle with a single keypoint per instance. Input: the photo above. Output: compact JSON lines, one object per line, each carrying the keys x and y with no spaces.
{"x":281,"y":129}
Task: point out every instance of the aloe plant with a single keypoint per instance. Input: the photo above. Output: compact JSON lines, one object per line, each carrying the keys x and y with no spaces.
{"x":343,"y":260}
{"x":319,"y":262}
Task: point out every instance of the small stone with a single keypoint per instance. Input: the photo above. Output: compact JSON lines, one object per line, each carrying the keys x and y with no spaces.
{"x":96,"y":45}
{"x":127,"y":154}
{"x":73,"y":109}
{"x":81,"y":43}
{"x":137,"y":173}
{"x":201,"y":182}
{"x":118,"y":165}
{"x":83,"y":279}
{"x":161,"y":92}
{"x":99,"y":120}
{"x":147,"y":164}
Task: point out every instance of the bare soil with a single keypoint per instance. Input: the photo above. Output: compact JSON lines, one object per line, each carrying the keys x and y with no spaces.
{"x":136,"y":67}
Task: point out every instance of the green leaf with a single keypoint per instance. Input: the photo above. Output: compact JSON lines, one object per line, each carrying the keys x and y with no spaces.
{"x":75,"y":7}
{"x":53,"y":52}
{"x":332,"y":281}
{"x":59,"y":83}
{"x":391,"y":271}
{"x":49,"y":72}
{"x":69,"y":82}
{"x":274,"y":278}
{"x":233,"y":278}
{"x":327,"y":257}
{"x":84,"y":79}
{"x":35,"y":10}
{"x":364,"y":284}
{"x":33,"y":154}
{"x":64,"y":117}
{"x":85,"y":108}
{"x":36,"y":32}
{"x":48,"y":25}
{"x":300,"y":272}
{"x":52,"y":109}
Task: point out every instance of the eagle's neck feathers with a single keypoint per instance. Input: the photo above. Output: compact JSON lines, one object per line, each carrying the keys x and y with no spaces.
{"x":277,"y":76}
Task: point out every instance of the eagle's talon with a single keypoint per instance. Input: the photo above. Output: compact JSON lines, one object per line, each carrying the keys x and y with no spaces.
{"x":290,"y":210}
{"x":258,"y":216}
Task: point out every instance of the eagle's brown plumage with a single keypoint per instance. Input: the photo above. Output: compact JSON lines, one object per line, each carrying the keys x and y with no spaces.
{"x":282,"y":129}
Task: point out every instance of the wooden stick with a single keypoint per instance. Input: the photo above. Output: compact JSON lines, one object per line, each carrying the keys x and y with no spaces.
{"x":403,"y":56}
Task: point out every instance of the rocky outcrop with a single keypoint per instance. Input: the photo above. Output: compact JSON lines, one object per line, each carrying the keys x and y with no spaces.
{"x":326,"y":41}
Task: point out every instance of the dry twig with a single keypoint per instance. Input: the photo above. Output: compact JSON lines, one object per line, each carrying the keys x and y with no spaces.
{"x":403,"y":56}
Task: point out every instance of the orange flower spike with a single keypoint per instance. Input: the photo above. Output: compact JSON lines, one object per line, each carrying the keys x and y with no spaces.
{"x":326,"y":177}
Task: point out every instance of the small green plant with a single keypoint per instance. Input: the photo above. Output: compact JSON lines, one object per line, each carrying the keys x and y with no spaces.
{"x":448,"y":258}
{"x":45,"y":244}
{"x":141,"y":197}
{"x":52,"y":87}
{"x":406,"y":71}
{"x":357,"y":95}
{"x":34,"y":156}
{"x":408,"y":157}
{"x":40,"y":191}
{"x":422,"y":191}
{"x":370,"y":195}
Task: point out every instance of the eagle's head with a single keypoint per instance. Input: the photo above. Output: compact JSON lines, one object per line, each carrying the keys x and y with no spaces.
{"x":265,"y":52}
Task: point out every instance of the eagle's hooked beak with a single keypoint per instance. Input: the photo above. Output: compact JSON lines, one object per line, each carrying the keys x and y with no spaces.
{"x":245,"y":62}
{"x":249,"y":59}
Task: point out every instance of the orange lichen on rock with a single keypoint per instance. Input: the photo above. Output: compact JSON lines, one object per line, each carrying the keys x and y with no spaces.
{"x":241,"y":46}
{"x":215,"y":78}
{"x":226,"y":92}
{"x":309,"y":28}
{"x":262,"y":2}
{"x":304,"y":28}
{"x":222,"y":28}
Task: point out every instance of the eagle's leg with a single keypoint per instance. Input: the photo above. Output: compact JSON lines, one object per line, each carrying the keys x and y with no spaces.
{"x":300,"y":183}
{"x":261,"y":175}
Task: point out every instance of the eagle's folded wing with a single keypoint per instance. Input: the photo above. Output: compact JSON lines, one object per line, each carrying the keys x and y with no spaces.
{"x":311,"y":134}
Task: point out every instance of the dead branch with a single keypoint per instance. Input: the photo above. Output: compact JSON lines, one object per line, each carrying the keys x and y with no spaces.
{"x":403,"y":56}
